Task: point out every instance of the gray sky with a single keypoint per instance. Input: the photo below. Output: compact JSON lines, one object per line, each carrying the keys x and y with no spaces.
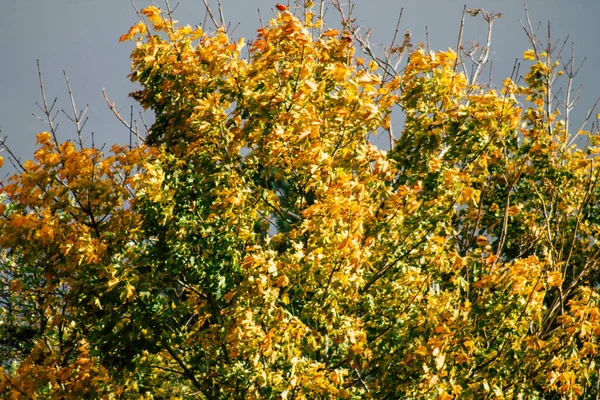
{"x":81,"y":37}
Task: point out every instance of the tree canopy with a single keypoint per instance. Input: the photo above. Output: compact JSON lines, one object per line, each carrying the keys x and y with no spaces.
{"x":258,"y":244}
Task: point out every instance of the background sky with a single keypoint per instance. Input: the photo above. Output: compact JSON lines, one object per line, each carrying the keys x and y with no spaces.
{"x":81,"y":37}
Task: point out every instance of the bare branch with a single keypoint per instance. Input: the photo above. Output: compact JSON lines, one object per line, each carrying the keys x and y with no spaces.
{"x":210,"y":13}
{"x":112,"y":108}
{"x":459,"y":43}
{"x":77,"y":117}
{"x":45,"y":109}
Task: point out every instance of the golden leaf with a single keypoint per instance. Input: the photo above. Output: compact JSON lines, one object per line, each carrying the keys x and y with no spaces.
{"x":529,"y":55}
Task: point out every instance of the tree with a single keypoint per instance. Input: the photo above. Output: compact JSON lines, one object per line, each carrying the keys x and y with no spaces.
{"x":259,"y":245}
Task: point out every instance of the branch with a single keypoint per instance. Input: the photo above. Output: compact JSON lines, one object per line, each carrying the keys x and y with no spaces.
{"x":112,"y":108}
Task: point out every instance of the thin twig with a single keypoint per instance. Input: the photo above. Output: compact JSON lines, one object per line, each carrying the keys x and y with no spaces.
{"x":77,"y":117}
{"x":221,"y":13}
{"x":460,"y":35}
{"x":47,"y":110}
{"x":112,"y":108}
{"x":210,"y":14}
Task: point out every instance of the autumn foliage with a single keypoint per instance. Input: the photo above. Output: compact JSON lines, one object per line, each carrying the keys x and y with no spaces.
{"x":260,"y":245}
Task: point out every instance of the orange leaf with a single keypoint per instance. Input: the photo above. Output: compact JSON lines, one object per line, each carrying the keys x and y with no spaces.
{"x":281,"y":7}
{"x":481,"y":240}
{"x":139,"y":28}
{"x":330,"y":32}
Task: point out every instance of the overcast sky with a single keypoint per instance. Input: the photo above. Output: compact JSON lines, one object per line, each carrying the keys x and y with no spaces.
{"x":81,"y":37}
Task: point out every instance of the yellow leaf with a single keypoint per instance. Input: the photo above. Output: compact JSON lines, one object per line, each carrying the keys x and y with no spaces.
{"x":43,"y":137}
{"x":470,"y":195}
{"x":386,"y":122}
{"x":529,"y":55}
{"x":29,"y":165}
{"x":554,"y":279}
{"x":129,"y":292}
{"x":113,"y":281}
{"x":244,"y":233}
{"x":97,"y":303}
{"x":151,"y":12}
{"x":470,"y":345}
